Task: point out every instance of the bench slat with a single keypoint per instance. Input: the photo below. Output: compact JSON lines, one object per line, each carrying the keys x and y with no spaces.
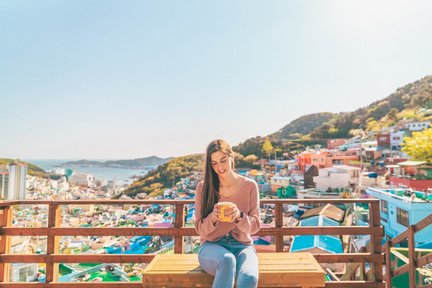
{"x":275,"y":270}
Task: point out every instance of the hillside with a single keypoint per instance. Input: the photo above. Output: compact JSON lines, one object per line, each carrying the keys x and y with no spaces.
{"x":164,"y":176}
{"x":302,"y":126}
{"x":252,"y":146}
{"x":33,"y":170}
{"x":411,"y":102}
{"x":294,"y":132}
{"x":134,"y":163}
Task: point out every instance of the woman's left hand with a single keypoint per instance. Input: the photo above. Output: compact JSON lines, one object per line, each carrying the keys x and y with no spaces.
{"x":232,"y":212}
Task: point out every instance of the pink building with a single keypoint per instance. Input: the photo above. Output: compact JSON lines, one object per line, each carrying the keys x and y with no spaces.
{"x":335,"y":143}
{"x":326,"y":158}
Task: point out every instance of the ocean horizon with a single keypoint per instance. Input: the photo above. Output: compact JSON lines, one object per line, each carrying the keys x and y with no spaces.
{"x":105,"y":173}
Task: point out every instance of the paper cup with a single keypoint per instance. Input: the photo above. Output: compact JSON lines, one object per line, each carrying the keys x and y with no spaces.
{"x":223,"y":206}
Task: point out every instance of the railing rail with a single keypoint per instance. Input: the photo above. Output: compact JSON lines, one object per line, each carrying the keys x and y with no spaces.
{"x":53,"y":232}
{"x":411,"y":263}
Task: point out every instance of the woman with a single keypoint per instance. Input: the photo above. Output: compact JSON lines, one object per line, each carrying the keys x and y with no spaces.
{"x":227,"y":250}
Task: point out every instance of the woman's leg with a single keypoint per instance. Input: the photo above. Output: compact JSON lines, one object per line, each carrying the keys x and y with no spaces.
{"x":247,"y":268}
{"x":218,"y":261}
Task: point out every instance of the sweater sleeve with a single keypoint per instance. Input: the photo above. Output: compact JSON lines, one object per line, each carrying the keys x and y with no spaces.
{"x":204,"y":227}
{"x":251,"y":223}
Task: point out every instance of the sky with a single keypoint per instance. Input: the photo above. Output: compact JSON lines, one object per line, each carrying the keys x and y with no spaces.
{"x":107,"y":79}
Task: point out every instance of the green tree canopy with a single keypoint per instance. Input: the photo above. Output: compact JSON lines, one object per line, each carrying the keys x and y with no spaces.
{"x":419,"y":146}
{"x":267,"y":147}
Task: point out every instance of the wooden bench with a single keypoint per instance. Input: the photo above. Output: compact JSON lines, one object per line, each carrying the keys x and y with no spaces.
{"x":275,"y":270}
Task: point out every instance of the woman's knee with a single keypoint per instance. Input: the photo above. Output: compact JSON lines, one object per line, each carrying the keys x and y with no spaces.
{"x":228,"y":260}
{"x":247,"y":280}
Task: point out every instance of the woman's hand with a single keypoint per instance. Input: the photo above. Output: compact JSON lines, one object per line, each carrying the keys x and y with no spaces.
{"x":215,"y":214}
{"x":232,"y":212}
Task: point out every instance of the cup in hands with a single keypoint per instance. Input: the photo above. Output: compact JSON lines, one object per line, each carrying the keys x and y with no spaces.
{"x":225,"y":211}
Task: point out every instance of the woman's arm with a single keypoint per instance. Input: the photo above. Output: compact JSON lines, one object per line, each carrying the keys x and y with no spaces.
{"x":251,"y":223}
{"x":209,"y":223}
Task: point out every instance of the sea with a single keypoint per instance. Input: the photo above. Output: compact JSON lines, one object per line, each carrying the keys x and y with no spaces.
{"x":105,"y":173}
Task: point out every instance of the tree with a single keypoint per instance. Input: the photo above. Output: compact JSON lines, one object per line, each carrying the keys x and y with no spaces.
{"x":373,"y":125}
{"x":251,"y":146}
{"x":267,"y":147}
{"x":251,"y":158}
{"x":277,"y":150}
{"x":392,"y":115}
{"x":419,"y":146}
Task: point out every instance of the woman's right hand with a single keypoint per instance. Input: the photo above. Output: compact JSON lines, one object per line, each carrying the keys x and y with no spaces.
{"x":215,"y":214}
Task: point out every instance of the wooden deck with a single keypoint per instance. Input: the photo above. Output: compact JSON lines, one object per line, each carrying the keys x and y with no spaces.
{"x":275,"y":270}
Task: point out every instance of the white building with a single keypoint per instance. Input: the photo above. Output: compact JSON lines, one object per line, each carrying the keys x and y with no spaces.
{"x":396,"y":138}
{"x":417,"y":126}
{"x":365,"y":181}
{"x":369,"y":144}
{"x":24,"y":272}
{"x":82,"y":179}
{"x":4,"y":184}
{"x":339,"y":176}
{"x":59,"y":171}
{"x":17,"y":182}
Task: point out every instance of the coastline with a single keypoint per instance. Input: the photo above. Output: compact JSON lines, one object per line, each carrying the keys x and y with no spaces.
{"x":106,"y":173}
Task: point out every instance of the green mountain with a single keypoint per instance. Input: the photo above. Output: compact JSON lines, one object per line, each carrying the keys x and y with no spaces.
{"x":134,"y":163}
{"x":411,"y":102}
{"x":252,"y":146}
{"x":166,"y":175}
{"x":292,"y":131}
{"x":302,"y":126}
{"x":32,"y":170}
{"x":291,"y":137}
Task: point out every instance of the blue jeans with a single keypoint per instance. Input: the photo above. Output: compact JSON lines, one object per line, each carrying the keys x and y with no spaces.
{"x":228,"y":259}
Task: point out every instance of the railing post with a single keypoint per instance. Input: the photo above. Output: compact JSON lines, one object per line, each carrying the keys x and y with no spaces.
{"x":376,"y":247}
{"x":278,"y":224}
{"x":411,"y":256}
{"x":53,"y":243}
{"x":389,"y":273}
{"x":179,"y":222}
{"x":5,"y":242}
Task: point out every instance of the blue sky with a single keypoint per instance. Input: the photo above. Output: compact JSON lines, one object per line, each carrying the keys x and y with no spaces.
{"x":128,"y":79}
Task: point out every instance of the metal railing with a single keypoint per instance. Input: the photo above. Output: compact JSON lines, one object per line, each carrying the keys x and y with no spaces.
{"x":53,"y":232}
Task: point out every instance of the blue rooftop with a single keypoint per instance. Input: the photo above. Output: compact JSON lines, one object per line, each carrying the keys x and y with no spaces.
{"x":318,"y":221}
{"x":325,"y":242}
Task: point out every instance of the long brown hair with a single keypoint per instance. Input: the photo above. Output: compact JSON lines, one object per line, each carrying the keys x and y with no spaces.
{"x":211,"y":179}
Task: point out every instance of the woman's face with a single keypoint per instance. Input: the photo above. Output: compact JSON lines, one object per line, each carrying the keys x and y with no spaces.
{"x":221,"y":163}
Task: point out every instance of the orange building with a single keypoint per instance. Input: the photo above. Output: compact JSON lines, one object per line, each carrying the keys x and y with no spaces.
{"x":342,"y":157}
{"x":308,"y":158}
{"x":324,"y":158}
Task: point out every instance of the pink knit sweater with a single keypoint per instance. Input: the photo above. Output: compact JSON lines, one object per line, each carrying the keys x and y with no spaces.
{"x":247,"y":200}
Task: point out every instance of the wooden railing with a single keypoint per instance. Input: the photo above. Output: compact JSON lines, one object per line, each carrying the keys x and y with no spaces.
{"x":53,"y":232}
{"x":412,"y":263}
